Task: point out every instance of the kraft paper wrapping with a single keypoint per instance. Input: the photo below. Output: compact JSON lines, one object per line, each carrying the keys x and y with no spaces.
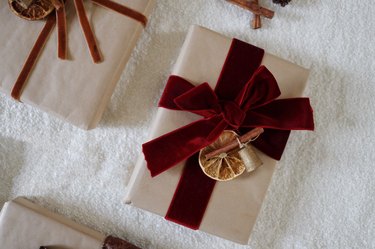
{"x":76,"y":90}
{"x":28,"y":226}
{"x":234,"y":205}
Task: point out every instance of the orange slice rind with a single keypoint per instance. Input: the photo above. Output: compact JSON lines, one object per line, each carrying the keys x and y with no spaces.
{"x":31,"y":9}
{"x":225,"y":166}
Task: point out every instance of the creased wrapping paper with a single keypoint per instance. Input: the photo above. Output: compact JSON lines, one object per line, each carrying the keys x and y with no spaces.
{"x":234,"y":205}
{"x":25,"y":225}
{"x":76,"y":90}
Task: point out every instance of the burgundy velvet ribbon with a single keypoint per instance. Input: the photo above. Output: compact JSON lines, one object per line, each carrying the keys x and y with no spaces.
{"x":112,"y":242}
{"x":245,"y":97}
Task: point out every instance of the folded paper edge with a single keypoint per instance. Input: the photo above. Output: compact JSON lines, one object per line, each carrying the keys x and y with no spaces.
{"x":138,"y":169}
{"x":93,"y":120}
{"x":119,"y":70}
{"x":57,"y":217}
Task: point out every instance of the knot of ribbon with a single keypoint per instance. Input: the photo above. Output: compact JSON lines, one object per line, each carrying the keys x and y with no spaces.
{"x":202,"y":100}
{"x":60,"y":18}
{"x":255,"y":105}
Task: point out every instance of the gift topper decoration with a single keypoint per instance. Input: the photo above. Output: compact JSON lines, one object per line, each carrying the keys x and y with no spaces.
{"x":44,"y":9}
{"x":230,"y":155}
{"x":245,"y":97}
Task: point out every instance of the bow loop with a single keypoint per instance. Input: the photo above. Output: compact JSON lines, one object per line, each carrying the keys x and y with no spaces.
{"x":260,"y":90}
{"x":169,"y":149}
{"x":200,"y":100}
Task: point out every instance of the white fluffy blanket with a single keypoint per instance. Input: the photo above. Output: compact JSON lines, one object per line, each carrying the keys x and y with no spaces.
{"x":322,"y":194}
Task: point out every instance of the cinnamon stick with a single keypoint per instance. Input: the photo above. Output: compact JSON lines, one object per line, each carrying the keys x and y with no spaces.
{"x":253,"y":7}
{"x":256,"y":23}
{"x":234,"y":144}
{"x":61,"y":32}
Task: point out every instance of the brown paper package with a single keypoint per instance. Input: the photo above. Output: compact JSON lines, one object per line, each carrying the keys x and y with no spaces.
{"x":26,"y":225}
{"x":201,"y":60}
{"x":76,"y":90}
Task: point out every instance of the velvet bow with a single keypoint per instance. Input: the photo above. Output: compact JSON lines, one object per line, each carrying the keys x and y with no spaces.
{"x":253,"y":105}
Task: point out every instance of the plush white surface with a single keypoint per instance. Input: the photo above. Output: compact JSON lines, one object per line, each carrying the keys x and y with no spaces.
{"x":321,"y":196}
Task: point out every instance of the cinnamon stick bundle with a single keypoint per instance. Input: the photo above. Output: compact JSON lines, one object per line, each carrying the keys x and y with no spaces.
{"x":253,"y":7}
{"x":234,"y":144}
{"x":256,"y":23}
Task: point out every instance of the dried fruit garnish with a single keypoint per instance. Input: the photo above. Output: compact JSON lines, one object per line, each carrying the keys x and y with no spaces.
{"x":225,"y":166}
{"x":31,"y":9}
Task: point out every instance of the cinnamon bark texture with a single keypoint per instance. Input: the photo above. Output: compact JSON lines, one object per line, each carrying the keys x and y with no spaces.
{"x":253,"y":7}
{"x":234,"y":144}
{"x":256,"y":23}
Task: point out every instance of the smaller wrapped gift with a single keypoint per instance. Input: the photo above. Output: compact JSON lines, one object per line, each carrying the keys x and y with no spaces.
{"x":68,"y":63}
{"x":26,"y":225}
{"x":220,"y":91}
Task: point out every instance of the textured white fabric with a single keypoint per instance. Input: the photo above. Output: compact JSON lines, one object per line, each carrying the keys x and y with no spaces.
{"x":321,"y":195}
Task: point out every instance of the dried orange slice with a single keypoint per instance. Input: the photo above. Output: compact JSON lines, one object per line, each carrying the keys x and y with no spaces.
{"x":31,"y":9}
{"x":225,"y":166}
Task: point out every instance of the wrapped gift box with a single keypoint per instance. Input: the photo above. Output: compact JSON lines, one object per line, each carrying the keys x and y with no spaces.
{"x":234,"y":205}
{"x":26,"y":225}
{"x":76,"y":90}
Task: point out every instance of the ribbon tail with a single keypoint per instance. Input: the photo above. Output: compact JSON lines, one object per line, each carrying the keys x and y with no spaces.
{"x":282,"y":114}
{"x":168,"y":150}
{"x":175,"y":87}
{"x":123,"y":10}
{"x":87,"y":31}
{"x":61,"y":32}
{"x":192,"y":195}
{"x":32,"y":58}
{"x":272,"y":142}
{"x":278,"y":118}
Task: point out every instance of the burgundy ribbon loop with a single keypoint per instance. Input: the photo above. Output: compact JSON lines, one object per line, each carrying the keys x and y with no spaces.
{"x":200,"y":100}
